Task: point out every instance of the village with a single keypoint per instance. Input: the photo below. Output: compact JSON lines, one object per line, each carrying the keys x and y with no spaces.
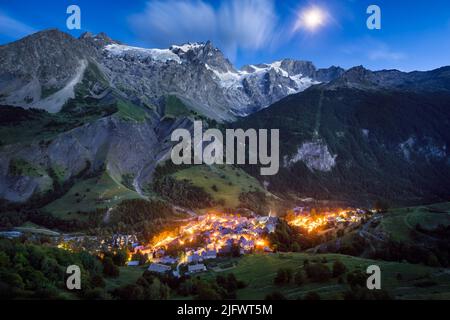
{"x":193,"y":246}
{"x":206,"y":238}
{"x":329,"y":223}
{"x":188,"y":249}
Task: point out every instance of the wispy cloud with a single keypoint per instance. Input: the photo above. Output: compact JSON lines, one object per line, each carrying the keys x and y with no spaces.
{"x":383,"y":52}
{"x":233,"y":25}
{"x":373,"y":50}
{"x":13,"y":28}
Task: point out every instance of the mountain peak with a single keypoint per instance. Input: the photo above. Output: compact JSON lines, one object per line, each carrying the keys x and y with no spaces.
{"x":101,"y":39}
{"x":357,"y":77}
{"x":47,"y":34}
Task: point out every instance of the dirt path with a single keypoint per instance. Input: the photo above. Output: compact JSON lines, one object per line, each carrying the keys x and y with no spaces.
{"x":107,"y":216}
{"x":405,"y":220}
{"x":318,"y":116}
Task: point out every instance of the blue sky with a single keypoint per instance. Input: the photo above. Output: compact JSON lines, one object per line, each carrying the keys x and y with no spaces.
{"x":415,"y":35}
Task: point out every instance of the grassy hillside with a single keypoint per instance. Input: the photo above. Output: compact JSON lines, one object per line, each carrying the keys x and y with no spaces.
{"x":259,"y":272}
{"x":399,"y":223}
{"x":29,"y":227}
{"x":174,"y":107}
{"x":87,"y":195}
{"x":221,"y":182}
{"x":18,"y":125}
{"x":128,"y":275}
{"x":130,"y":112}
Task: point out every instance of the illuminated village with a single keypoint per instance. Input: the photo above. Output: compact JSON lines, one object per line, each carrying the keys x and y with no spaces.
{"x":192,"y":245}
{"x":207,"y":237}
{"x":326,"y":222}
{"x":214,"y":235}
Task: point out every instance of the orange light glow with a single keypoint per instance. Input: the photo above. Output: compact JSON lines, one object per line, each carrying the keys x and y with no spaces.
{"x":316,"y":222}
{"x":210,"y":230}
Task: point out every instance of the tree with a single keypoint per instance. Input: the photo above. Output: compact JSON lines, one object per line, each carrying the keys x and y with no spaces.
{"x":157,"y":291}
{"x":120,"y":258}
{"x":4,"y":259}
{"x":357,"y":278}
{"x":230,"y":284}
{"x":205,"y":292}
{"x":129,"y":292}
{"x":187,"y":287}
{"x":338,"y":268}
{"x":98,"y":281}
{"x":284,"y":276}
{"x":433,"y":261}
{"x":109,"y":268}
{"x":51,"y":269}
{"x":299,"y":278}
{"x":318,"y":272}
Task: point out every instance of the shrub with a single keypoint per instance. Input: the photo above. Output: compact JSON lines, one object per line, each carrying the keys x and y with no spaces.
{"x":338,"y":268}
{"x":284,"y":276}
{"x":299,"y":278}
{"x":318,"y":272}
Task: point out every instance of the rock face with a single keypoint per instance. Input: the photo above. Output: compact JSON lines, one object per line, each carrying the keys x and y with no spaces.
{"x":123,"y":147}
{"x":32,"y":70}
{"x":42,"y":70}
{"x":363,"y":117}
{"x":315,"y":155}
{"x":204,"y":79}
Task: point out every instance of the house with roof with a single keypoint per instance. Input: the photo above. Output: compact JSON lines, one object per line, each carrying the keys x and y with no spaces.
{"x":159,"y":268}
{"x":168,"y":260}
{"x":196,"y":268}
{"x":209,"y":254}
{"x":194,"y":257}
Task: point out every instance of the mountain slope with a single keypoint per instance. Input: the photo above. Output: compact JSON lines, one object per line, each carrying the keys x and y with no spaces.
{"x":53,"y":63}
{"x":342,"y":142}
{"x":351,"y":135}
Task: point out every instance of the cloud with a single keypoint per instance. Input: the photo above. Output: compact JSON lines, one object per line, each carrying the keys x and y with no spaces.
{"x":374,"y":50}
{"x":233,"y":25}
{"x":13,"y":28}
{"x":386,"y":54}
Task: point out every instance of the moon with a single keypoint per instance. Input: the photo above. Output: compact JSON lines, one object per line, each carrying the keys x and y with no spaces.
{"x":311,"y":19}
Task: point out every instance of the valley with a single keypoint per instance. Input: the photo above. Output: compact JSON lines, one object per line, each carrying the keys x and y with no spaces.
{"x":207,"y":248}
{"x":87,"y":177}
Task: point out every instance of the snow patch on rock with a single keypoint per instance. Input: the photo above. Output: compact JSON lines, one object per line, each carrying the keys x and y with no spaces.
{"x":233,"y":79}
{"x":365,"y":133}
{"x":406,"y":147}
{"x":161,"y":55}
{"x":187,"y":47}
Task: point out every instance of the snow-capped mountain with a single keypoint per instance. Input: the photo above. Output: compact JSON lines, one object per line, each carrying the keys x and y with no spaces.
{"x":47,"y":76}
{"x":200,"y":75}
{"x":109,"y":112}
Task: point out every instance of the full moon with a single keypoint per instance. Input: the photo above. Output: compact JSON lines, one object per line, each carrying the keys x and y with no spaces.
{"x":311,"y":19}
